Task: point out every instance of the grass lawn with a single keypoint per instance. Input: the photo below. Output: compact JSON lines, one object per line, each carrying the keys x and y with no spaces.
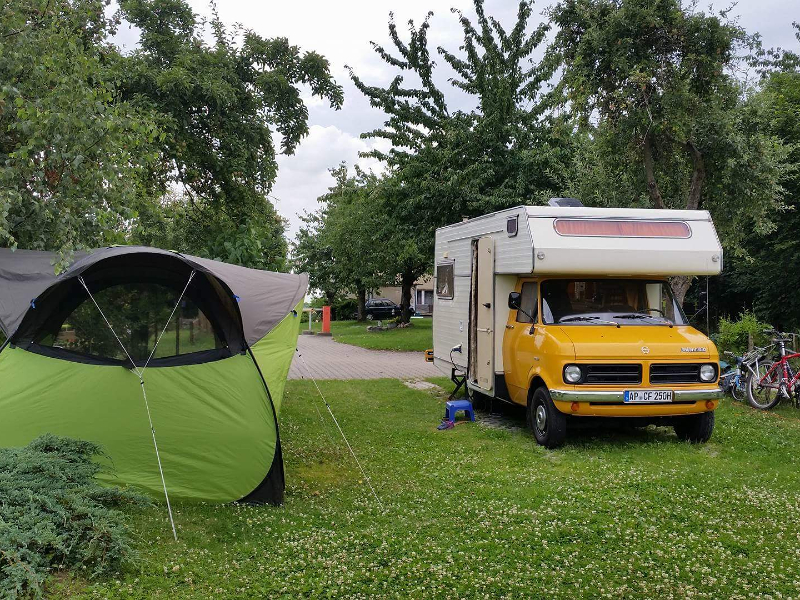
{"x":481,"y":512}
{"x":417,"y":338}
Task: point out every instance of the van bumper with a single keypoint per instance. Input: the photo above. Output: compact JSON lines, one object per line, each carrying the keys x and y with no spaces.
{"x":611,"y":403}
{"x":619,"y":397}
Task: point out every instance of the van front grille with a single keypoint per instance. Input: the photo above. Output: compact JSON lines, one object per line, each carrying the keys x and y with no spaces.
{"x":683,"y":373}
{"x":611,"y":374}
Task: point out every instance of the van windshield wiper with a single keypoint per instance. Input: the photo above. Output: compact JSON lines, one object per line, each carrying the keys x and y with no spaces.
{"x":661,"y":320}
{"x":583,"y":319}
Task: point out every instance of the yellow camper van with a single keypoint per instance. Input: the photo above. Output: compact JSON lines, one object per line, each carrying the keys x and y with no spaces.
{"x":568,"y":311}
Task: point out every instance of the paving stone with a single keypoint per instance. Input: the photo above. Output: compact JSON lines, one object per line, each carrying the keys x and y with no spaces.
{"x":324,"y":358}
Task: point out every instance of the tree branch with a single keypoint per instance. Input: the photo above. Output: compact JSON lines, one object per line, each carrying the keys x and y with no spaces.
{"x":652,"y":186}
{"x":698,"y":177}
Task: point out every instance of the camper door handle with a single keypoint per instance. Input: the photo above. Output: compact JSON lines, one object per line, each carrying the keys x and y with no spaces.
{"x":487,"y":304}
{"x":485,"y":330}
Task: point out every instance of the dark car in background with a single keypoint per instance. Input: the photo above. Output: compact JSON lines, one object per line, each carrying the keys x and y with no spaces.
{"x":381,"y":308}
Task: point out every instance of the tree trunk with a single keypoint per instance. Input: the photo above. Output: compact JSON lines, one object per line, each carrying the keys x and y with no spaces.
{"x":680,"y":285}
{"x":652,"y":185}
{"x":406,"y":282}
{"x":329,"y":298}
{"x":362,"y":301}
{"x":698,"y":177}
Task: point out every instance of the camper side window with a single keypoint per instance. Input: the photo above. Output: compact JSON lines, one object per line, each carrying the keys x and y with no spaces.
{"x":444,"y":281}
{"x":528,"y":303}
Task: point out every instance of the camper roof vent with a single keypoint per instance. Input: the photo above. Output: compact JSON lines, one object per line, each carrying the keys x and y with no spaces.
{"x":563,"y":202}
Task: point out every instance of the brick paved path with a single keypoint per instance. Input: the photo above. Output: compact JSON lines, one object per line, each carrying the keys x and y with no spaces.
{"x":326,"y":359}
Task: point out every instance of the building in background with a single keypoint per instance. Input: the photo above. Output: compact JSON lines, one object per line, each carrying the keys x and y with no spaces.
{"x":421,"y":295}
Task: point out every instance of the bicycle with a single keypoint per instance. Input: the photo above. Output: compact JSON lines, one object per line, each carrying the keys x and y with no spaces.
{"x":770,"y":382}
{"x":735,"y":381}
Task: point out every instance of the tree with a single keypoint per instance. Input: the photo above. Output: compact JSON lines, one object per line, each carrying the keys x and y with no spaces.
{"x":650,"y":84}
{"x":769,"y":275}
{"x":312,"y":254}
{"x":218,"y":104}
{"x":348,"y":236}
{"x":71,"y":153}
{"x":448,"y":164}
{"x":173,"y":222}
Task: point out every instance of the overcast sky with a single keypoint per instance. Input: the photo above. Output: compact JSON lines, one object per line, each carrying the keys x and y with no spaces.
{"x":342,"y":30}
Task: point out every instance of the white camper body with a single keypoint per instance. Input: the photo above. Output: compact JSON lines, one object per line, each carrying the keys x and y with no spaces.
{"x":478,"y":262}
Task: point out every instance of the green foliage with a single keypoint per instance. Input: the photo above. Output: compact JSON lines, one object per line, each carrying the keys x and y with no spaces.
{"x":448,"y":164}
{"x":54,"y":515}
{"x":769,"y":273}
{"x":89,"y":139}
{"x":71,"y":153}
{"x":651,"y":86}
{"x":345,"y":246}
{"x":344,"y":308}
{"x":257,"y":242}
{"x":217,"y":101}
{"x":735,"y":336}
{"x":452,"y":164}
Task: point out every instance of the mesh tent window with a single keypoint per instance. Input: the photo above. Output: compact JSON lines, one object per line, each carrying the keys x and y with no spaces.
{"x":139,"y":292}
{"x":138,"y":312}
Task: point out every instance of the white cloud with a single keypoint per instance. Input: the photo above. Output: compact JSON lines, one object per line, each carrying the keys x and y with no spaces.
{"x":305,"y":176}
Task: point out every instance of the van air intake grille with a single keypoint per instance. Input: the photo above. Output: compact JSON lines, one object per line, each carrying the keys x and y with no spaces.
{"x":686,"y":373}
{"x":610,"y":374}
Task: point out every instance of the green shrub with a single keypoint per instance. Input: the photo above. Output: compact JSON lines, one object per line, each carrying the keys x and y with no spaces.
{"x":733,"y":335}
{"x":54,"y":515}
{"x":345,"y":308}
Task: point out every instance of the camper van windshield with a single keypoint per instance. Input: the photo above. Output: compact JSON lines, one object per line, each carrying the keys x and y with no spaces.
{"x":609,"y":301}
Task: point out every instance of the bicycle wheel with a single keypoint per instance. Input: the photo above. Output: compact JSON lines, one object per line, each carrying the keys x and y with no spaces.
{"x":738,"y":390}
{"x":763,"y":391}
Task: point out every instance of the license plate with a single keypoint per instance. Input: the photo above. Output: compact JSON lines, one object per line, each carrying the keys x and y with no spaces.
{"x":648,"y":396}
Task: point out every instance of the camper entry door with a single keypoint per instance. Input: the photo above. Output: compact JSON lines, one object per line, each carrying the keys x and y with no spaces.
{"x":481,"y":314}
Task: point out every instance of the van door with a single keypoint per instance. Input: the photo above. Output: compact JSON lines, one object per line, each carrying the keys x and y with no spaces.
{"x":481,"y":339}
{"x":519,"y":343}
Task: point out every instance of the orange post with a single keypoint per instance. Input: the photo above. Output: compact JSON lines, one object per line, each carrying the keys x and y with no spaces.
{"x":326,"y":320}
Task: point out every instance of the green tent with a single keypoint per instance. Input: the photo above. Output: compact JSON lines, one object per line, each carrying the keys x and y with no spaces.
{"x":132,"y":336}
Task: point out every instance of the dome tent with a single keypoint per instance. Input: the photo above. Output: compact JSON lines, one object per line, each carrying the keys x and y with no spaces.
{"x":214,"y":380}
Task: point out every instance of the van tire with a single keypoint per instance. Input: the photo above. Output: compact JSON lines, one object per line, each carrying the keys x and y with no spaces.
{"x":696,"y":429}
{"x":548,"y":424}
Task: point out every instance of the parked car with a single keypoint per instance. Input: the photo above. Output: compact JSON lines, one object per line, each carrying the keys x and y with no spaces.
{"x":381,"y":308}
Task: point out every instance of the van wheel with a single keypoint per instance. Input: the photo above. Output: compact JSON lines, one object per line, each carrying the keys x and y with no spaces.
{"x":695,"y":428}
{"x":549,"y":425}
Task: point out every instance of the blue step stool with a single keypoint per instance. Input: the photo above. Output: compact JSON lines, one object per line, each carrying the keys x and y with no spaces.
{"x":453,"y":406}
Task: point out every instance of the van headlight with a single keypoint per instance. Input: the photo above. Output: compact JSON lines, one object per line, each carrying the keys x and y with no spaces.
{"x":708,"y":373}
{"x":572,"y":374}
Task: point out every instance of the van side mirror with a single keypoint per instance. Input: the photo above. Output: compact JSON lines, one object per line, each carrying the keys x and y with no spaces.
{"x":514,"y":300}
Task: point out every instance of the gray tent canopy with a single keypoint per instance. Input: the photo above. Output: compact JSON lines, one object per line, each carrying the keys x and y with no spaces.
{"x":262,"y":298}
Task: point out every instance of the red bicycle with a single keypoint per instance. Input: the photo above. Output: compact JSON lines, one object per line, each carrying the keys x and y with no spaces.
{"x":770,"y":382}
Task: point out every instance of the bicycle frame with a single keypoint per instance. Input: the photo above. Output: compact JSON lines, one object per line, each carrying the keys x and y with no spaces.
{"x":782,"y":365}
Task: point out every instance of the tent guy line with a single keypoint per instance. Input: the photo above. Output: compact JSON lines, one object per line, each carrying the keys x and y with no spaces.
{"x":140,"y":375}
{"x":344,"y":437}
{"x":169,"y":320}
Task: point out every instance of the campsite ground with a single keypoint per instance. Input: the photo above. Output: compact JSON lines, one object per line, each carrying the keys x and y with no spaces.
{"x":478,"y":510}
{"x":416,"y":338}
